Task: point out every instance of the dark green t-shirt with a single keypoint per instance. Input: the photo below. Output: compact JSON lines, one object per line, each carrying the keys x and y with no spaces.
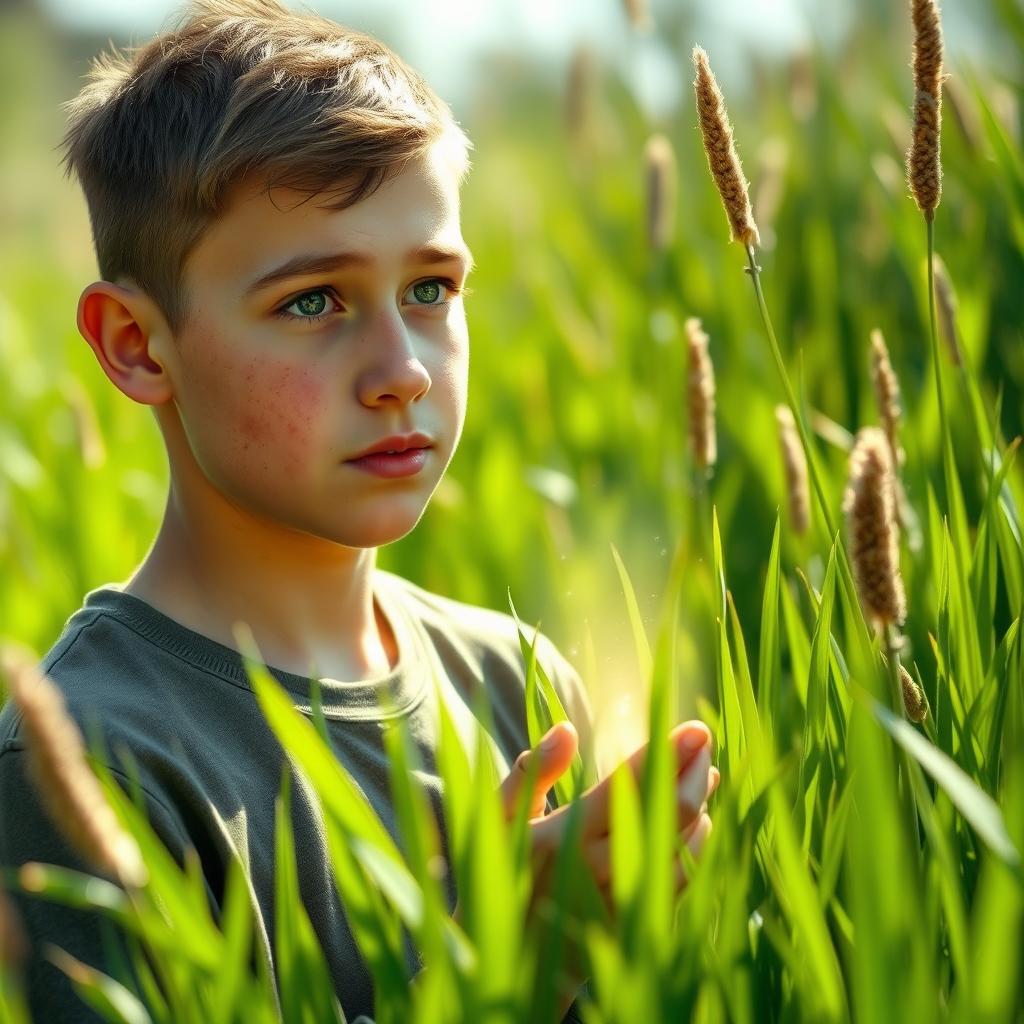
{"x":210,"y":766}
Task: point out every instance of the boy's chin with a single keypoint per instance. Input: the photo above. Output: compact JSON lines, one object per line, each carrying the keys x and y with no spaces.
{"x":386,"y":527}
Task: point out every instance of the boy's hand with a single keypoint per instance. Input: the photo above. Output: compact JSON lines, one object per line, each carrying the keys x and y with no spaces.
{"x":696,"y":780}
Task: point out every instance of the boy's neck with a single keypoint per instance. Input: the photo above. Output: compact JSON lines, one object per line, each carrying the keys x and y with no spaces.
{"x":300,"y":613}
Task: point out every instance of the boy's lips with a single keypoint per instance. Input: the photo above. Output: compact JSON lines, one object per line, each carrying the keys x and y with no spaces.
{"x":395,"y":443}
{"x":399,"y":464}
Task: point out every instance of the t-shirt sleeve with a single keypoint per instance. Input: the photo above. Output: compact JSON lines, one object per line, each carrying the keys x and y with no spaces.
{"x":27,"y":834}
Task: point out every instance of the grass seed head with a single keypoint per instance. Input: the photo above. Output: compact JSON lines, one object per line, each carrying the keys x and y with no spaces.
{"x":795,"y":463}
{"x":580,"y":95}
{"x":639,"y":14}
{"x":803,"y":85}
{"x":897,"y":125}
{"x":57,"y":764}
{"x":660,"y":165}
{"x":924,"y":173}
{"x":716,"y":131}
{"x":914,"y":699}
{"x":772,"y":160}
{"x":945,"y":302}
{"x":701,"y":396}
{"x":86,"y":423}
{"x":887,"y":393}
{"x":13,"y":944}
{"x":965,"y":114}
{"x":870,"y":508}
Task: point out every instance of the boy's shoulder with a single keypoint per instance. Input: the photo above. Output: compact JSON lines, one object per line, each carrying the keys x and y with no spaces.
{"x":486,"y":642}
{"x":435,"y":610}
{"x":91,"y":662}
{"x":114,"y":640}
{"x":137,"y":673}
{"x":482,"y":633}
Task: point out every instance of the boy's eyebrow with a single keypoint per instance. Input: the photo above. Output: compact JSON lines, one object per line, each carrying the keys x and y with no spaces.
{"x":321,"y":263}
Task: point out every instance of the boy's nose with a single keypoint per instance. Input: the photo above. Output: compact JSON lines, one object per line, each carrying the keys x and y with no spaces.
{"x":392,"y":369}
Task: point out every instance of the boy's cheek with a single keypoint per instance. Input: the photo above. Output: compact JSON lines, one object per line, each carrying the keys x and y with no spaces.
{"x":262,"y":413}
{"x":279,"y":417}
{"x":279,"y":404}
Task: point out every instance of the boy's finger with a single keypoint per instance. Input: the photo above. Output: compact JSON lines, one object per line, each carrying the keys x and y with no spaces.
{"x":546,"y":762}
{"x":692,"y":788}
{"x":597,"y":857}
{"x":687,"y":832}
{"x":597,"y":853}
{"x":699,"y":836}
{"x":701,"y":831}
{"x":687,"y":741}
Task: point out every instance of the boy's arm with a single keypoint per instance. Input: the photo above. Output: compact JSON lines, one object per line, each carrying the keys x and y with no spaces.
{"x":27,"y":834}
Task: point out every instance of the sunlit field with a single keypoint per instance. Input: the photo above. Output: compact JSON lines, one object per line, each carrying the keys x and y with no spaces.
{"x":865,"y":857}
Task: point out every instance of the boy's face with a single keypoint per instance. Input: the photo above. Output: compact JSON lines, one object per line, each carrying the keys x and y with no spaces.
{"x":277,"y":385}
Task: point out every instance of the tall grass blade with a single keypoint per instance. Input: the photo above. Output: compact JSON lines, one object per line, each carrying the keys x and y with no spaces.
{"x":882,"y":893}
{"x":658,"y":781}
{"x":1000,"y":680}
{"x":368,"y":868}
{"x":489,"y":897}
{"x":105,"y":995}
{"x":813,"y":779}
{"x":186,"y":911}
{"x":232,"y":979}
{"x":305,"y":986}
{"x":769,"y":669}
{"x":640,"y":642}
{"x":818,"y":974}
{"x":733,"y":743}
{"x":544,"y":709}
{"x":998,"y":917}
{"x":968,"y":797}
{"x":454,"y":768}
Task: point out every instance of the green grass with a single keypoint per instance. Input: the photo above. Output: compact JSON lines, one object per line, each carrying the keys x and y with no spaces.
{"x":817,"y":896}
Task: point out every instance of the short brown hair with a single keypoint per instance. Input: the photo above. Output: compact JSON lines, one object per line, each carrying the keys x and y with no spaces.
{"x":237,"y":88}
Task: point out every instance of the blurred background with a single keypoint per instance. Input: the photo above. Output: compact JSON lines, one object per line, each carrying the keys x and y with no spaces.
{"x":576,"y":437}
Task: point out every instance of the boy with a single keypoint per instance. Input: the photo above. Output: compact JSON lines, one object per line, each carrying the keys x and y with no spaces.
{"x":275,"y":209}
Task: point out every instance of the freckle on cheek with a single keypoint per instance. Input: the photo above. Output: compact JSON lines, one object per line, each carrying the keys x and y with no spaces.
{"x":252,"y":429}
{"x":309,"y":389}
{"x":278,"y":406}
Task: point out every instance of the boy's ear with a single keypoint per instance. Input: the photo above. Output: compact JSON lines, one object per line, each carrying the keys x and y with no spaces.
{"x":130,"y":339}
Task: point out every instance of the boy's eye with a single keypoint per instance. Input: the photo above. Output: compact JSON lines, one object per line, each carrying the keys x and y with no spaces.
{"x":312,"y":305}
{"x":432,"y":292}
{"x":315,"y":305}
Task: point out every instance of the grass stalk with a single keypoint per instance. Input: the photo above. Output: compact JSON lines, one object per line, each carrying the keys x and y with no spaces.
{"x":846,"y":572}
{"x":908,"y":796}
{"x":948,"y":459}
{"x":701,"y":533}
{"x":943,"y":426}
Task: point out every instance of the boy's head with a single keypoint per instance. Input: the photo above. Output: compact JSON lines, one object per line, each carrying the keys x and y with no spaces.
{"x":275,"y":209}
{"x":242,"y":88}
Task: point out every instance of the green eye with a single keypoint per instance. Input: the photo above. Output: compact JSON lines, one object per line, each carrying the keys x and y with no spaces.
{"x":311,"y":304}
{"x":428,"y":291}
{"x":312,"y":307}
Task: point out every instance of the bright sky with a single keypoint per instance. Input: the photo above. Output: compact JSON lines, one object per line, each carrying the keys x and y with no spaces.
{"x":441,"y":38}
{"x":458,"y":23}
